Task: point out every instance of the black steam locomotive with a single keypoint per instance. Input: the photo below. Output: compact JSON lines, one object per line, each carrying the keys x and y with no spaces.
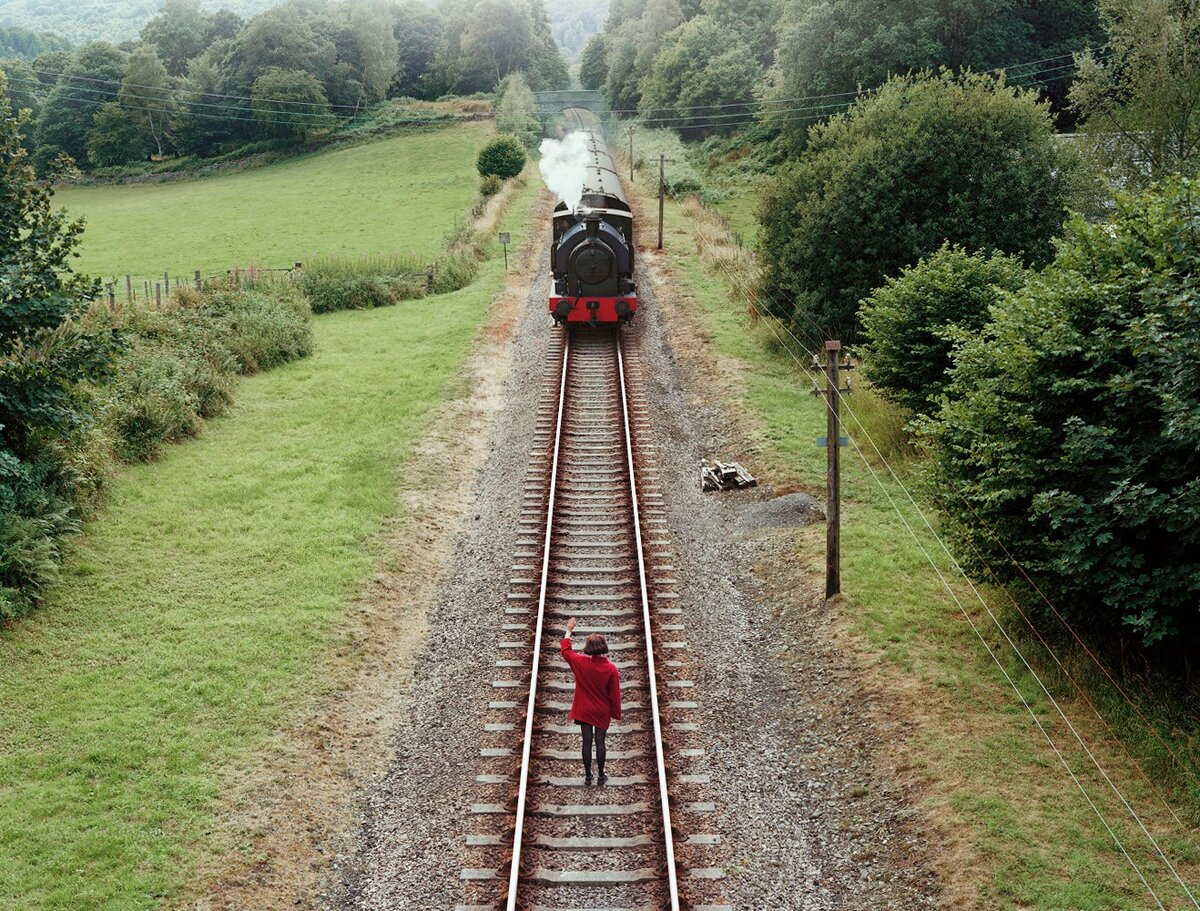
{"x":592,"y":250}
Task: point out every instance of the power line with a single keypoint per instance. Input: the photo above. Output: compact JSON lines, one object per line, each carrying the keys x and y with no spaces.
{"x":184,"y":90}
{"x":166,"y":98}
{"x":225,"y":117}
{"x":269,"y":116}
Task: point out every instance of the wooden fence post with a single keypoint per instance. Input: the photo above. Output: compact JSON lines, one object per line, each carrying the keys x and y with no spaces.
{"x":129,"y":286}
{"x":158,"y":295}
{"x":167,"y":282}
{"x":237,"y":276}
{"x":198,"y":280}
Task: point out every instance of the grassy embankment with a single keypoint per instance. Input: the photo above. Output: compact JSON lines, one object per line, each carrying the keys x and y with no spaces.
{"x":402,"y":193}
{"x":1011,"y":830}
{"x":197,"y":609}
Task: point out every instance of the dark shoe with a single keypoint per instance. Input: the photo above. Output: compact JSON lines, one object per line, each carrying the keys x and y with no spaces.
{"x":603,"y":778}
{"x":587,"y":779}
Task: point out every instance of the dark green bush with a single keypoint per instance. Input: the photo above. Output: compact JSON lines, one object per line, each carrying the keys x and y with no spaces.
{"x":29,"y":560}
{"x":490,"y":185}
{"x":49,"y":356}
{"x":1071,"y":426}
{"x":327,"y":293}
{"x":928,"y":159}
{"x":908,"y":322}
{"x":503,"y":156}
{"x":199,"y":339}
{"x":455,"y":271}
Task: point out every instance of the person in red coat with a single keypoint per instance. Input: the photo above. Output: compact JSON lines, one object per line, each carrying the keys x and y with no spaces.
{"x":597,"y":695}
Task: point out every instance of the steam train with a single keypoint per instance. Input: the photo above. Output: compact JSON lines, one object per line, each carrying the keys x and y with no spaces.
{"x":592,"y":250}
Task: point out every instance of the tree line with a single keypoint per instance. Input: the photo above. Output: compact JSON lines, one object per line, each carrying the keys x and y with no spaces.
{"x":80,"y":21}
{"x":699,"y":64}
{"x":25,"y":44}
{"x":201,"y":83}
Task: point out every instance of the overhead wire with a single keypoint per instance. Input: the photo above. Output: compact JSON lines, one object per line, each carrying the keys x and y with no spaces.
{"x":122,"y":84}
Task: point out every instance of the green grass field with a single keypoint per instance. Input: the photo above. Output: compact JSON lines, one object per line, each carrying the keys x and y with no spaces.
{"x":397,"y":195}
{"x":195,"y":614}
{"x":1021,"y":833}
{"x":739,"y":210}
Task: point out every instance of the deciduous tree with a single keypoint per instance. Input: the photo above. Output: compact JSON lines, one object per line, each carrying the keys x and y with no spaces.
{"x":926,"y":160}
{"x":499,"y":32}
{"x":179,"y":32}
{"x":117,"y":136}
{"x":146,"y":93}
{"x":45,"y":356}
{"x":291,"y":104}
{"x":1068,"y":438}
{"x":66,"y":117}
{"x":1139,"y":99}
{"x":593,"y":65}
{"x":699,"y":75}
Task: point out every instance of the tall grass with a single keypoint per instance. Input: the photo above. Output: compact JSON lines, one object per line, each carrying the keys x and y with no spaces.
{"x":366,"y":264}
{"x":362,"y":282}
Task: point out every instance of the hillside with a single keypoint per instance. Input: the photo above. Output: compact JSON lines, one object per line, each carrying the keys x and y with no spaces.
{"x":400,"y":194}
{"x":572,"y":23}
{"x":108,"y":20}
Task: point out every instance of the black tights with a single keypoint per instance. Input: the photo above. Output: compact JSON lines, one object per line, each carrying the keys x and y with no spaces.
{"x":599,"y":733}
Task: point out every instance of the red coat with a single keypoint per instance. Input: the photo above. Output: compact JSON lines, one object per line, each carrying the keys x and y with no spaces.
{"x":597,"y":687}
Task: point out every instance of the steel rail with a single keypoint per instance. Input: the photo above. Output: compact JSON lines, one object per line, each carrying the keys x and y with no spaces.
{"x":652,"y":682}
{"x":514,"y":878}
{"x":523,"y":787}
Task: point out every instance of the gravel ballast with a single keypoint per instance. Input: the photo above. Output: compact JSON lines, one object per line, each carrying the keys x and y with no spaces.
{"x":807,"y":818}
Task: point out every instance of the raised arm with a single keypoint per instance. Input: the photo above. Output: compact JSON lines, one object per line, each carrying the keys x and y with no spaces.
{"x":568,"y":651}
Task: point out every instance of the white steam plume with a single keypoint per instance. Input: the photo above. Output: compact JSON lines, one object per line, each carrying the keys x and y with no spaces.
{"x":564,"y":167}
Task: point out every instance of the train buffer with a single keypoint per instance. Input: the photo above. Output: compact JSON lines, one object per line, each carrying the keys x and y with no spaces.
{"x":725,"y":476}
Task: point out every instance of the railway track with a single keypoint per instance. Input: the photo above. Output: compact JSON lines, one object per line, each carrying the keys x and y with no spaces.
{"x":593,"y":545}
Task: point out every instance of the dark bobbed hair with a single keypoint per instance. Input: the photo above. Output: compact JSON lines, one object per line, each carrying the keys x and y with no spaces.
{"x":595,"y":645}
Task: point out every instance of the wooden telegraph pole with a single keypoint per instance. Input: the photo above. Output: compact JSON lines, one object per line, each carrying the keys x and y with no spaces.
{"x":833,"y":492}
{"x":833,"y":442}
{"x":662,"y":188}
{"x":631,"y":157}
